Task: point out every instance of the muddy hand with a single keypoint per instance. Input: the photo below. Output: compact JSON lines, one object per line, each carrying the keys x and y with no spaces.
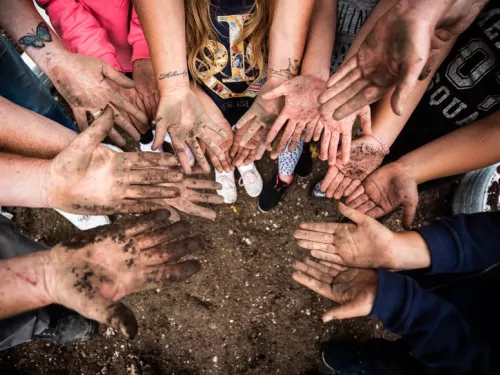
{"x":354,"y":289}
{"x":384,"y":191}
{"x":343,"y":179}
{"x":181,"y":114}
{"x":145,"y":84}
{"x":93,"y":271}
{"x":88,"y":85}
{"x":365,"y":243}
{"x":188,"y":197}
{"x":301,"y":110}
{"x":91,"y":179}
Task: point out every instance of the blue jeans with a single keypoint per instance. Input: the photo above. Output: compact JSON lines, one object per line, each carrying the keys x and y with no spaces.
{"x":20,"y":85}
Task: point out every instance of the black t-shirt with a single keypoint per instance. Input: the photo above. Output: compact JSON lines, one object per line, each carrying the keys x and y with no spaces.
{"x":232,"y":88}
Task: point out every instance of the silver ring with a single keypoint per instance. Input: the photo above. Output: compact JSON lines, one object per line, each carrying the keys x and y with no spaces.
{"x":98,"y":114}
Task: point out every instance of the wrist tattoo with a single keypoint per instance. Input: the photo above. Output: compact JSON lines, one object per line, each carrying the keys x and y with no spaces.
{"x":291,"y":71}
{"x":37,"y":39}
{"x":174,"y":73}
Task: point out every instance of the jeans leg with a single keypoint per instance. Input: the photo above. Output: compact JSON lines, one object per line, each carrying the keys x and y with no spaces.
{"x":20,"y":328}
{"x":20,"y":85}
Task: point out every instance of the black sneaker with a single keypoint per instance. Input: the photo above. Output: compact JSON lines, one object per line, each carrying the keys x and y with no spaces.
{"x":66,"y":327}
{"x":316,"y":192}
{"x":304,"y":166}
{"x":272,"y":193}
{"x":345,"y":357}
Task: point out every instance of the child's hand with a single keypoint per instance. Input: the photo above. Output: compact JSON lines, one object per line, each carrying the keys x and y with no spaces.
{"x":301,"y":109}
{"x":385,"y":190}
{"x":145,"y":84}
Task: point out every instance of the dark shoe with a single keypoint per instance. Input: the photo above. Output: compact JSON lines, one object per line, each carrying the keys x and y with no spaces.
{"x":343,"y":357}
{"x":304,"y":166}
{"x":66,"y":327}
{"x":272,"y":193}
{"x":316,"y":192}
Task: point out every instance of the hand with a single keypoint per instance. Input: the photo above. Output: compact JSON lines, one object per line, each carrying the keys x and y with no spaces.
{"x":87,"y":178}
{"x":260,"y":117}
{"x":145,"y":84}
{"x":301,"y":109}
{"x":244,"y":155}
{"x":182,"y":115}
{"x":354,"y":289}
{"x":215,"y":114}
{"x":343,"y":179}
{"x":332,"y":129}
{"x":187,"y":198}
{"x":401,"y":49}
{"x":385,"y":190}
{"x":365,"y":243}
{"x":93,"y":271}
{"x":86,"y":84}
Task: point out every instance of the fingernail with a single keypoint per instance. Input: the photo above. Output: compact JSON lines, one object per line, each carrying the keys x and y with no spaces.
{"x":327,"y":319}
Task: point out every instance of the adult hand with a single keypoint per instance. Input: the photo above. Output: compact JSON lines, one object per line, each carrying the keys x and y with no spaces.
{"x":385,"y":190}
{"x":86,"y":84}
{"x":343,"y":179}
{"x":182,"y":115}
{"x":91,"y":179}
{"x":260,"y":117}
{"x":401,"y":49}
{"x":354,"y":289}
{"x":333,"y":129}
{"x":187,"y":198}
{"x":93,"y":271}
{"x":145,"y":84}
{"x":365,"y":243}
{"x":301,"y":109}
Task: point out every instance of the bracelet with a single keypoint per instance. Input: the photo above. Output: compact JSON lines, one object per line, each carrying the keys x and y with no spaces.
{"x":384,"y":145}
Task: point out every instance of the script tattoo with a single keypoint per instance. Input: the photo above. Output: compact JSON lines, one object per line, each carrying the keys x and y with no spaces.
{"x":291,"y":71}
{"x":174,"y":73}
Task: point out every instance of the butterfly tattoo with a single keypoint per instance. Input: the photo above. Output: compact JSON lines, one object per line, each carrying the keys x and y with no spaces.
{"x":37,"y":39}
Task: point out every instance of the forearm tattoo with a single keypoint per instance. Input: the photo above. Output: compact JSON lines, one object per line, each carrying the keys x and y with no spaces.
{"x":291,"y":71}
{"x":37,"y":39}
{"x":174,"y":73}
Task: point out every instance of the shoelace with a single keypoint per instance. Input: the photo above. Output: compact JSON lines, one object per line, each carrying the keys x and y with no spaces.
{"x":227,"y":182}
{"x":249,"y":176}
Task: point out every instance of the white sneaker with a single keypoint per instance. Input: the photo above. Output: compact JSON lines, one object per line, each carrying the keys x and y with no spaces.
{"x":228,"y":191}
{"x":189,"y":154}
{"x":6,"y":214}
{"x":85,"y":222}
{"x":250,"y":179}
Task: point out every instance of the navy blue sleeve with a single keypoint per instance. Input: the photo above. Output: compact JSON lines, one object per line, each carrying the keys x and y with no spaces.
{"x":437,"y":333}
{"x":464,"y":243}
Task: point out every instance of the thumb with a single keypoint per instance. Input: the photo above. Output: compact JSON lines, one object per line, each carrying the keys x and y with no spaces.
{"x":247,"y":116}
{"x":365,"y":120}
{"x":281,"y":90}
{"x":117,"y":77}
{"x":87,"y":141}
{"x":351,"y":213}
{"x":113,"y":314}
{"x":409,"y":211}
{"x":352,"y":309}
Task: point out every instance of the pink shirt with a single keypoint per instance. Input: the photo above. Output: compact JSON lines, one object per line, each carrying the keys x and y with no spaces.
{"x":106,"y":29}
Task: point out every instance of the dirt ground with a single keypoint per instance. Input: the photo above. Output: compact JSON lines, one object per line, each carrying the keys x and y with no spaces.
{"x":242,"y":314}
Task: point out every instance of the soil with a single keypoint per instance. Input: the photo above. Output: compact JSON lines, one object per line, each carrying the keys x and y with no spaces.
{"x":242,"y":314}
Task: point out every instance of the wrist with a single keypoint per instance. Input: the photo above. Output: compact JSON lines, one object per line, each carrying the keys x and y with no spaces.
{"x":47,"y":195}
{"x":51,"y":61}
{"x":409,"y":251}
{"x":321,"y":74}
{"x":410,"y":166}
{"x":167,"y":88}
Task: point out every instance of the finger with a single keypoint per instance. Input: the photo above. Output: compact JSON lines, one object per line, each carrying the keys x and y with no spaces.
{"x":195,"y":148}
{"x":154,"y":176}
{"x":252,"y":129}
{"x":150,"y":159}
{"x":318,"y":130}
{"x":340,"y":86}
{"x":131,"y":206}
{"x":312,"y":245}
{"x":327,"y":256}
{"x":281,"y":90}
{"x":333,"y":148}
{"x":137,"y":225}
{"x":164,"y":275}
{"x":353,"y":188}
{"x":180,"y":152}
{"x":329,"y":177}
{"x":297,"y":134}
{"x":325,"y":267}
{"x":346,"y":147}
{"x":247,"y":116}
{"x":217,"y":153}
{"x":113,"y":314}
{"x":193,"y":209}
{"x":365,"y":120}
{"x":192,"y":183}
{"x":169,"y":252}
{"x":126,"y":125}
{"x":376,"y":212}
{"x":287,"y":134}
{"x":117,"y":77}
{"x":241,"y":157}
{"x":335,"y":266}
{"x":343,"y":185}
{"x":126,"y":106}
{"x":345,"y":69}
{"x":368,"y":95}
{"x":331,"y":106}
{"x":403,"y":90}
{"x":325,"y":238}
{"x":213,"y":126}
{"x":157,"y":236}
{"x":160,"y":134}
{"x":215,"y":161}
{"x":365,"y":207}
{"x":351,"y":213}
{"x":150,"y":192}
{"x":353,"y":201}
{"x":312,"y":272}
{"x":310,"y":130}
{"x":81,"y":119}
{"x":278,"y":124}
{"x":196,"y":197}
{"x":409,"y":211}
{"x":349,"y":310}
{"x":323,"y":289}
{"x":319,"y":227}
{"x":116,"y":138}
{"x":334,"y":185}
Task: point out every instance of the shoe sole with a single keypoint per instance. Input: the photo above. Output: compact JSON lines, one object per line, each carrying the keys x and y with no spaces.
{"x":325,"y":363}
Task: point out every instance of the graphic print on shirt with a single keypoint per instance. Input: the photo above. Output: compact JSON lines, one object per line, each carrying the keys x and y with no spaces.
{"x":466,"y":87}
{"x":235,"y":59}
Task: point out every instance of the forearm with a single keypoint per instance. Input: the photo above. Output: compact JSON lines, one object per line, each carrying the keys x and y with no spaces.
{"x":22,"y":284}
{"x":408,"y":251}
{"x":320,"y":40}
{"x":466,"y":149}
{"x":163,"y":23}
{"x":24,"y":181}
{"x":287,"y":38}
{"x":20,"y":18}
{"x":24,"y":132}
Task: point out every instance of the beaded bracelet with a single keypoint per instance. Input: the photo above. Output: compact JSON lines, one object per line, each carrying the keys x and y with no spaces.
{"x":385,"y":148}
